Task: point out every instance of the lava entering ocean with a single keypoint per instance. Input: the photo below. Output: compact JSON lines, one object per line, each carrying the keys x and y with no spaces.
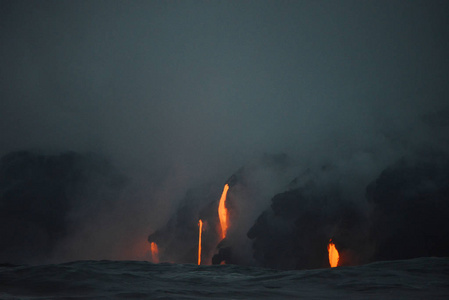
{"x":334,"y":257}
{"x":154,"y":252}
{"x":223,"y":212}
{"x":200,"y":225}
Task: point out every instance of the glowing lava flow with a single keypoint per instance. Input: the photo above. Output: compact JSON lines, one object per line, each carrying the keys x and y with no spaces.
{"x":200,"y":224}
{"x":223,"y":212}
{"x":333,"y":254}
{"x":154,"y":253}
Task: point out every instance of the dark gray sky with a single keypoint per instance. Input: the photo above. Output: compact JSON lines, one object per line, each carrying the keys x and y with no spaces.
{"x":192,"y":90}
{"x":201,"y":84}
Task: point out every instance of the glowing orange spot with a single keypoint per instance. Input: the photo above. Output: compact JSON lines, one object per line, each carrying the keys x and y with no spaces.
{"x":223,"y":212}
{"x":154,"y":253}
{"x":333,"y":254}
{"x":200,"y":224}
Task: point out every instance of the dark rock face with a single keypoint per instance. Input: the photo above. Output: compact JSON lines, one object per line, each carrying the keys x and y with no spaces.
{"x":295,"y":231}
{"x":407,"y":217}
{"x":178,"y":239}
{"x":410,"y":203}
{"x":39,"y":193}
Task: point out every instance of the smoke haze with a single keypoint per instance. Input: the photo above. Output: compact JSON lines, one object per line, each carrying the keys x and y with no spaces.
{"x":177,"y":94}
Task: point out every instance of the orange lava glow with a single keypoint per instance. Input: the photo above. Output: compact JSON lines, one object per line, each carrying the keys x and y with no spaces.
{"x":200,"y":225}
{"x":223,"y":212}
{"x":154,"y":252}
{"x":333,"y":254}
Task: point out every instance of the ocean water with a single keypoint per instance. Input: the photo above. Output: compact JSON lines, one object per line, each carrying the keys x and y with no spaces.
{"x":422,"y":278}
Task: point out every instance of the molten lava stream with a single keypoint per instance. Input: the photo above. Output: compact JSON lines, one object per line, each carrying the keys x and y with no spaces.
{"x":223,"y":212}
{"x":154,"y":253}
{"x":200,"y":224}
{"x":334,"y":257}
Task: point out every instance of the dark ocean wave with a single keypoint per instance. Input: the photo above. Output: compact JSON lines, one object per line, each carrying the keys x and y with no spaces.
{"x":412,"y":279}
